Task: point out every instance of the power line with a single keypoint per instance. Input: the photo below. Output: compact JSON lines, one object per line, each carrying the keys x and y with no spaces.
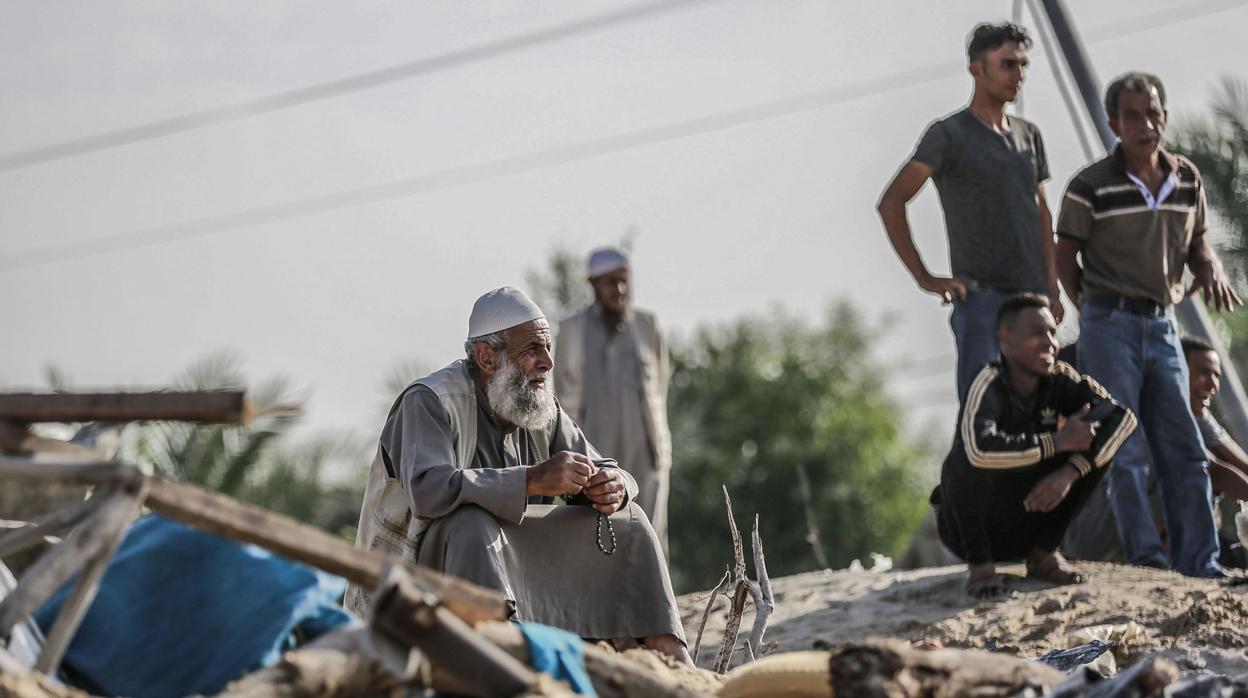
{"x":355,"y":83}
{"x":466,"y":174}
{"x":492,"y":169}
{"x":330,"y":89}
{"x":1173,"y":15}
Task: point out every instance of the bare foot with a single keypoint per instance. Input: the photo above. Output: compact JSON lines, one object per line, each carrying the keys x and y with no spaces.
{"x":624,"y":643}
{"x":1051,"y":566}
{"x":669,"y":645}
{"x":983,"y":582}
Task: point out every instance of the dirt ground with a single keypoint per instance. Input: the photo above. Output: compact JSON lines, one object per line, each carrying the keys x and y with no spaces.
{"x":1197,"y":623}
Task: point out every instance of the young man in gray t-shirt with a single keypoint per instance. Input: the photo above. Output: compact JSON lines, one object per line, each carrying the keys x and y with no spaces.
{"x":989,"y":169}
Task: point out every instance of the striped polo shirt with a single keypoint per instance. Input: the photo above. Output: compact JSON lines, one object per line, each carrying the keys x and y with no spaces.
{"x":1134,"y":245}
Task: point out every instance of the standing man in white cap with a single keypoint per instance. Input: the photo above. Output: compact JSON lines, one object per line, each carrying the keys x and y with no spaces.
{"x":467,"y":470}
{"x":612,"y":378}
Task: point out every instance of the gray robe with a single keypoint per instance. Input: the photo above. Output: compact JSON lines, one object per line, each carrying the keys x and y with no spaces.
{"x":613,"y":380}
{"x":543,"y":556}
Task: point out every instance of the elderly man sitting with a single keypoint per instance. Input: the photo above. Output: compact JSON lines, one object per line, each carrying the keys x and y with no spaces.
{"x":470,"y":462}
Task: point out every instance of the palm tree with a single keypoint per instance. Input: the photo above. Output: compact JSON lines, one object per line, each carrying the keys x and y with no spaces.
{"x":1219,"y":148}
{"x":256,"y":462}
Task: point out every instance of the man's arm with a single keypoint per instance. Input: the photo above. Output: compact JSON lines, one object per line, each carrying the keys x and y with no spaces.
{"x":1229,"y":453}
{"x":1210,"y":277}
{"x":1068,"y":270}
{"x":987,"y":445}
{"x":417,"y":439}
{"x":569,"y":437}
{"x":1075,"y":392}
{"x":1049,"y":251}
{"x":892,"y":208}
{"x":1074,"y":228}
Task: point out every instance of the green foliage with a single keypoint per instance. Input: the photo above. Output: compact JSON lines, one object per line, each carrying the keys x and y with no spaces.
{"x":1219,"y":148}
{"x":560,"y":288}
{"x":753,"y":403}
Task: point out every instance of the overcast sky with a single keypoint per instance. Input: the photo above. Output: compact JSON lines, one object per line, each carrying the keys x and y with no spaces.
{"x":745,"y":212}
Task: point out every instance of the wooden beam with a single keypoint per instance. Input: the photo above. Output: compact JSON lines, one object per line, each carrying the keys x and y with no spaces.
{"x":229,"y":518}
{"x":206,"y":407}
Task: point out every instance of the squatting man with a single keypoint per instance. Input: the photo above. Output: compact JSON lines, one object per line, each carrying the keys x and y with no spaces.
{"x":470,"y":462}
{"x":1034,"y":439}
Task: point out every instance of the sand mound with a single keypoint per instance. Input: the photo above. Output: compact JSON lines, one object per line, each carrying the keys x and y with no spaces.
{"x":1197,"y":622}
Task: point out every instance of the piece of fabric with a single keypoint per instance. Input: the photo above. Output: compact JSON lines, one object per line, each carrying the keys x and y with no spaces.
{"x":987,"y":186}
{"x":1139,"y":360}
{"x":180,"y":612}
{"x":1005,"y":445}
{"x":615,"y":415}
{"x":558,"y":653}
{"x":501,"y":309}
{"x":1130,"y":248}
{"x":552,"y":568}
{"x":605,"y":260}
{"x":595,"y":368}
{"x":1168,"y":185}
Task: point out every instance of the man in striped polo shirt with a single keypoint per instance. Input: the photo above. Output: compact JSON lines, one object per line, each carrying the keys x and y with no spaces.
{"x":1138,"y":217}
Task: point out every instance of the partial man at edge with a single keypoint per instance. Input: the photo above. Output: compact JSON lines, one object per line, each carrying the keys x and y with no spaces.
{"x":468,"y":469}
{"x":989,"y":169}
{"x":611,"y":374}
{"x":1137,"y":218}
{"x":1033,"y":441}
{"x":1228,"y":463}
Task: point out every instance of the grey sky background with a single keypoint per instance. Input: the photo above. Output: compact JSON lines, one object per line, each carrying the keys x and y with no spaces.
{"x":778,"y":213}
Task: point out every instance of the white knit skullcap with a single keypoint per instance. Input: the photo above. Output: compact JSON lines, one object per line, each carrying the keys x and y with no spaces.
{"x":605,"y":260}
{"x":501,"y":309}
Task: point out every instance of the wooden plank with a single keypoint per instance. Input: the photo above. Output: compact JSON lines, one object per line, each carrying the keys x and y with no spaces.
{"x":206,"y":407}
{"x":229,"y":518}
{"x":42,"y":579}
{"x":75,"y":607}
{"x":85,"y":472}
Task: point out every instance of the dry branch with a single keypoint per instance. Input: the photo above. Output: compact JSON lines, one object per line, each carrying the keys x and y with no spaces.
{"x":761,"y":594}
{"x":55,"y":523}
{"x":42,"y":579}
{"x":737,"y":608}
{"x":706,"y":614}
{"x":764,"y":600}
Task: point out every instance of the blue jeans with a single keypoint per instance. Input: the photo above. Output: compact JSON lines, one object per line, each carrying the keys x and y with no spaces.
{"x":1138,"y":359}
{"x":974,"y":325}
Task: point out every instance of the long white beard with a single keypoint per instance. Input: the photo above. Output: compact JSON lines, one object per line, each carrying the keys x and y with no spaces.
{"x":517,"y":402}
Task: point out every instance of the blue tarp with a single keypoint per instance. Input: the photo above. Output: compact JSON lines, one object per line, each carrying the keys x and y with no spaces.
{"x":182,"y":612}
{"x":558,"y":653}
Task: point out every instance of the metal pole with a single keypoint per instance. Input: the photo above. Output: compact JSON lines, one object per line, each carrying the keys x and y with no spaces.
{"x":1080,"y":68}
{"x":1231,"y":399}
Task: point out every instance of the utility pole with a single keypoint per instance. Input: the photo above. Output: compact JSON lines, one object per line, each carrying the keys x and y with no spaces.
{"x":1231,"y":400}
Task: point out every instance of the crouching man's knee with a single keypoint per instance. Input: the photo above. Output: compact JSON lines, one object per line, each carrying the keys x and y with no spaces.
{"x":470,"y":526}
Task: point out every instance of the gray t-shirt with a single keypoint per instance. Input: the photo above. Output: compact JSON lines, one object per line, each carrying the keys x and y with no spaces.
{"x":987,"y":186}
{"x":1211,"y":432}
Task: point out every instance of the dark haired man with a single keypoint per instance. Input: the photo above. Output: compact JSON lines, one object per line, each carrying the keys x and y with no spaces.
{"x":1228,"y":464}
{"x":989,"y":170}
{"x":1138,"y":217}
{"x":1033,"y":440}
